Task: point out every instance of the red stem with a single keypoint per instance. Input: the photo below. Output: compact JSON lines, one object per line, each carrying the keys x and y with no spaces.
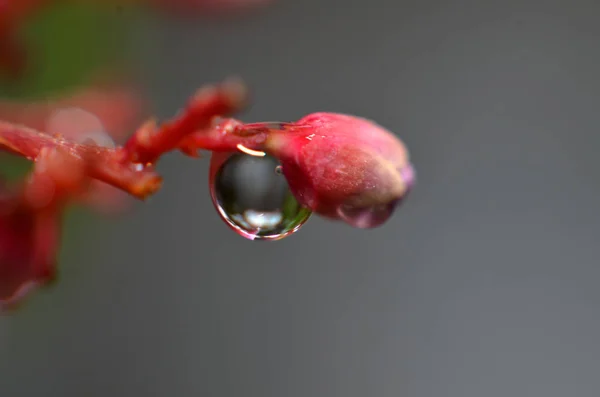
{"x":150,"y":142}
{"x":131,"y":167}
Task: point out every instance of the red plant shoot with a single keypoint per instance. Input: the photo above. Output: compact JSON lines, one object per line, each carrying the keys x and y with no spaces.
{"x":337,"y":166}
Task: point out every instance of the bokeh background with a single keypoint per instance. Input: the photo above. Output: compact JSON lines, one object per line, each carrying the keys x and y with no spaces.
{"x":485,"y":283}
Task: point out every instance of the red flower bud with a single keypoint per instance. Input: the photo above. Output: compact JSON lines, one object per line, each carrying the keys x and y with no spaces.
{"x":344,"y":167}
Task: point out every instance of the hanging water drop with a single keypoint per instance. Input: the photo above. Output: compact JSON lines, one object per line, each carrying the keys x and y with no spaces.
{"x":367,"y":217}
{"x":253,"y":198}
{"x":376,"y":215}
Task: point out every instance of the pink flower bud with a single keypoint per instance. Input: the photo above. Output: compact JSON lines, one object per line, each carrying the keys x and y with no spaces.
{"x":344,"y":167}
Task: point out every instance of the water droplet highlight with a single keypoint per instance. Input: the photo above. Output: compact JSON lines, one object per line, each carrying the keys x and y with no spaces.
{"x":252,"y":198}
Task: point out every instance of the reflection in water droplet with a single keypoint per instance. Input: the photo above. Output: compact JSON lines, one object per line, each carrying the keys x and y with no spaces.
{"x":255,"y":201}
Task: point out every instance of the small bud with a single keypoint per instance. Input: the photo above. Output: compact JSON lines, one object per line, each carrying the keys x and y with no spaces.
{"x":344,"y":167}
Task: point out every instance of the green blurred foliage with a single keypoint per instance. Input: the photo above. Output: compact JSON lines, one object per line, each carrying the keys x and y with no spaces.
{"x":66,"y":45}
{"x":13,"y":167}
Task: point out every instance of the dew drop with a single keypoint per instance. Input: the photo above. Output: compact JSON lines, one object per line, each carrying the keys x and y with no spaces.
{"x":252,"y":199}
{"x":367,"y":217}
{"x":377,"y":215}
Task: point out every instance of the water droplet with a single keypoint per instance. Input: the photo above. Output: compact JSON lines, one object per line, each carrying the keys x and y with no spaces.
{"x":376,"y":215}
{"x":252,"y":199}
{"x":367,"y":217}
{"x":278,"y":170}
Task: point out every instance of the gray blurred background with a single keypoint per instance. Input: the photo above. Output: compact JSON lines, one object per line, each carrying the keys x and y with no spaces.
{"x":485,"y":283}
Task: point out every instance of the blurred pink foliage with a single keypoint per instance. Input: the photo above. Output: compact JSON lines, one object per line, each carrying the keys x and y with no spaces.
{"x":103,"y":115}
